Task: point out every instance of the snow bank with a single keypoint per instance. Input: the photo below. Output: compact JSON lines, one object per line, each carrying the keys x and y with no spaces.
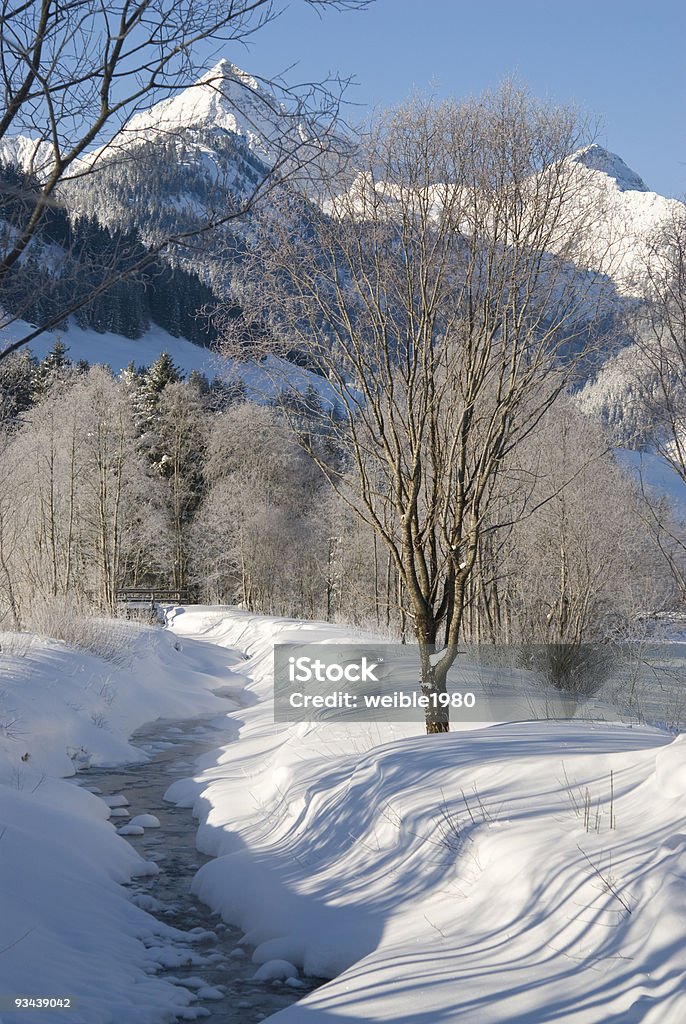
{"x":524,"y":872}
{"x":65,"y":708}
{"x":67,"y":928}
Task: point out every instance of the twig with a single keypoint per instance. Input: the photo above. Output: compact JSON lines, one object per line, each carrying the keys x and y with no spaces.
{"x":605,"y":881}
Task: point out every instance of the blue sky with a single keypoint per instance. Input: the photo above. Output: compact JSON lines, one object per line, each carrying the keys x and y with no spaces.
{"x":622,"y":61}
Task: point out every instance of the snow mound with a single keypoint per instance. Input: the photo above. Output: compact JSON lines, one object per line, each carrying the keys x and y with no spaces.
{"x":276,"y":970}
{"x":145,"y":821}
{"x":445,"y":879}
{"x":210,"y":992}
{"x":117,"y":800}
{"x":670,"y":768}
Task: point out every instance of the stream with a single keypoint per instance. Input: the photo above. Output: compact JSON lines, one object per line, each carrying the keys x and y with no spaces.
{"x":220,"y":970}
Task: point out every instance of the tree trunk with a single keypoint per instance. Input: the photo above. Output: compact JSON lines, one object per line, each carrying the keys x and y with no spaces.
{"x":433,"y":680}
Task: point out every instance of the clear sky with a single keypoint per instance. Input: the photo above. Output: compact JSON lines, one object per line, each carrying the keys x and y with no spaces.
{"x":622,"y":61}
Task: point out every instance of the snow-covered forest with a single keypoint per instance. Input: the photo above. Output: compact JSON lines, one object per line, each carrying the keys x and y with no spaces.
{"x":151,"y":480}
{"x":416,"y":386}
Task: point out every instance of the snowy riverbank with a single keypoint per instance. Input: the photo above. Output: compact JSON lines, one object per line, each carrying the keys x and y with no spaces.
{"x":453,"y":878}
{"x":67,"y":927}
{"x":473,"y":876}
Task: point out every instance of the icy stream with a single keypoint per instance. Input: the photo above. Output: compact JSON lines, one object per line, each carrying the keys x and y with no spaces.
{"x":220,"y":970}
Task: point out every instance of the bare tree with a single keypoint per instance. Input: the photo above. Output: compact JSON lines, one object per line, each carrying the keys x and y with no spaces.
{"x":582,"y":568}
{"x":660,"y":330}
{"x":253,"y":540}
{"x":80,"y":497}
{"x":74,"y":74}
{"x":438,"y":293}
{"x":653,"y":374}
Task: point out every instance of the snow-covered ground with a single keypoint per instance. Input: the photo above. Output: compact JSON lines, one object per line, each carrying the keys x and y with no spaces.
{"x":448,"y":878}
{"x":262,"y":382}
{"x":67,"y":927}
{"x":522,"y":872}
{"x":117,"y":352}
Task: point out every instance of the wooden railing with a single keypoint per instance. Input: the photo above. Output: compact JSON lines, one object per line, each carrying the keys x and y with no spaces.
{"x":149,"y":599}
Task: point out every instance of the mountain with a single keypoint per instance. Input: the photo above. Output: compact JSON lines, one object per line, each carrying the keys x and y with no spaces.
{"x":225,"y":99}
{"x":195,"y":155}
{"x":190,"y":158}
{"x":629,"y":214}
{"x":595,"y":158}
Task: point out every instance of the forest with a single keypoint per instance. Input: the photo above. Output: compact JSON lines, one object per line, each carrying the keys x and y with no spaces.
{"x":148,"y":479}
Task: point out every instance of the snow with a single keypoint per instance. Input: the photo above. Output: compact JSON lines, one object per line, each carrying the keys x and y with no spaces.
{"x":225,"y":99}
{"x":209,"y":992}
{"x":670,"y":769}
{"x":32,"y":155}
{"x":432,"y":879}
{"x":118,"y":800}
{"x":117,"y":352}
{"x":276,"y":970}
{"x":262,"y":382}
{"x":595,"y":158}
{"x":631,"y":215}
{"x":145,"y":821}
{"x":625,"y":214}
{"x":445,"y":878}
{"x":66,"y":923}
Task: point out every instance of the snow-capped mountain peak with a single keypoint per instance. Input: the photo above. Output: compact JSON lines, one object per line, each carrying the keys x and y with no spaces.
{"x":628,"y":217}
{"x":595,"y":158}
{"x":225,"y":98}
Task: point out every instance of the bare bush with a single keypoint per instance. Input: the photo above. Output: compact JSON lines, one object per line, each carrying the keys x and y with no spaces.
{"x":71,"y":620}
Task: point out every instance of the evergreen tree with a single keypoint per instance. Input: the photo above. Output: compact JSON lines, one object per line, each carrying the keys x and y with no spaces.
{"x":55,"y":366}
{"x":200,"y":381}
{"x":17,"y":385}
{"x":162,"y":372}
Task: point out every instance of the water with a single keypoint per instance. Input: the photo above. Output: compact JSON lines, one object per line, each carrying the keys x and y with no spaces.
{"x":219,"y":962}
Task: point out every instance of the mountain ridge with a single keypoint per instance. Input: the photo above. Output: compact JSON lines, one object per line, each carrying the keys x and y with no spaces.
{"x":200,"y":149}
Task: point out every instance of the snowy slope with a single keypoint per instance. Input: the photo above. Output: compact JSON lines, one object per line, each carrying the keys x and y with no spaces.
{"x":450,"y":878}
{"x":622,"y":213}
{"x":67,"y":927}
{"x":441,"y":879}
{"x":595,"y":158}
{"x":118,"y":352}
{"x":32,"y":155}
{"x":224,"y":99}
{"x":262,"y":382}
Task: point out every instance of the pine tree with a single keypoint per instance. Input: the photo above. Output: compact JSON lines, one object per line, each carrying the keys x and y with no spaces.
{"x":162,"y":372}
{"x":200,"y":381}
{"x":17,"y":385}
{"x":55,"y":366}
